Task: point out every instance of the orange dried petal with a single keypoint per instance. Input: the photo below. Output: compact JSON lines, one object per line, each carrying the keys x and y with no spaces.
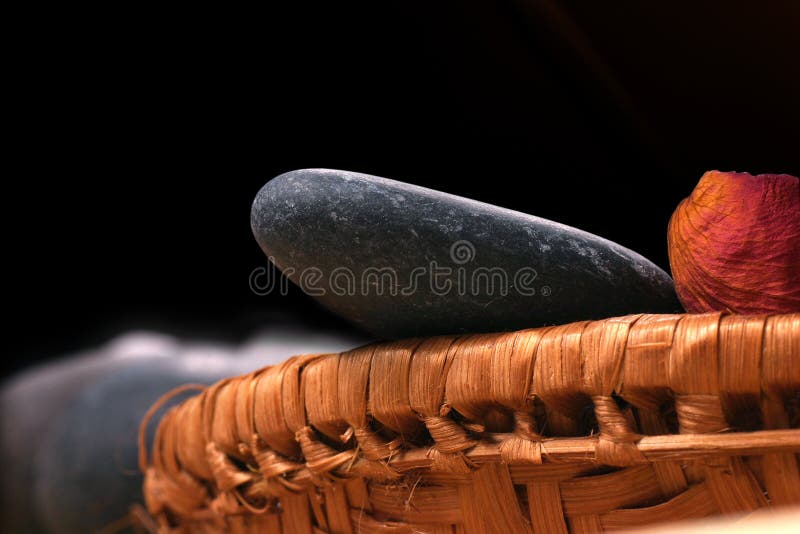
{"x":734,"y":244}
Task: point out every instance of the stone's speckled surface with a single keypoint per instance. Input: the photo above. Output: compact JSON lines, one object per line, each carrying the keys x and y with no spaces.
{"x":348,"y":226}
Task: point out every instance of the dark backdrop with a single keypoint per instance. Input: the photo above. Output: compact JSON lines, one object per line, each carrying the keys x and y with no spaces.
{"x":145,"y":135}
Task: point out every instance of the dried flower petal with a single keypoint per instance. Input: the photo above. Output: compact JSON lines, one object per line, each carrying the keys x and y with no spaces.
{"x":734,"y":244}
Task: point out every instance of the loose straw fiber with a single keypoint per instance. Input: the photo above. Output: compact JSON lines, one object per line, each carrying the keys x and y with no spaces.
{"x":585,"y":427}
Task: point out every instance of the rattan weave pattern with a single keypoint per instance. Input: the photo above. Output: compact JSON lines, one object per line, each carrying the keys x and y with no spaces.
{"x":584,"y":427}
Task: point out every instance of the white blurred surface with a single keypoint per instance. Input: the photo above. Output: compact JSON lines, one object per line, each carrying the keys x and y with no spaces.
{"x":779,"y":521}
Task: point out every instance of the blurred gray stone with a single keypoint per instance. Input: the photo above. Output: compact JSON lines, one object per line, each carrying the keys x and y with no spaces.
{"x":68,"y":428}
{"x":86,"y":474}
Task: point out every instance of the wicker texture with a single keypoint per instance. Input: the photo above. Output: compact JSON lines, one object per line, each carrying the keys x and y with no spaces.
{"x":585,"y":427}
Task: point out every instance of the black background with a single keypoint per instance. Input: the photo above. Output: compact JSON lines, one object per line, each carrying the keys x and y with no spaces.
{"x":143,"y":136}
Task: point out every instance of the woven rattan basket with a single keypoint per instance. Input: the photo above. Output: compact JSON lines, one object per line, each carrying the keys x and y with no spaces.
{"x":585,"y":427}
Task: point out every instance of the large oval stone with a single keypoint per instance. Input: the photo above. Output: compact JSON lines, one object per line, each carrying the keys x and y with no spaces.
{"x":400,"y":260}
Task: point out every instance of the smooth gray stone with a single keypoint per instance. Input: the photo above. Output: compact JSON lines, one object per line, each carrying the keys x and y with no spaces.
{"x":329,"y":231}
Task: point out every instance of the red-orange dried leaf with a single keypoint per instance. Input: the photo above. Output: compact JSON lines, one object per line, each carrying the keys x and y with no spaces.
{"x":734,"y":244}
